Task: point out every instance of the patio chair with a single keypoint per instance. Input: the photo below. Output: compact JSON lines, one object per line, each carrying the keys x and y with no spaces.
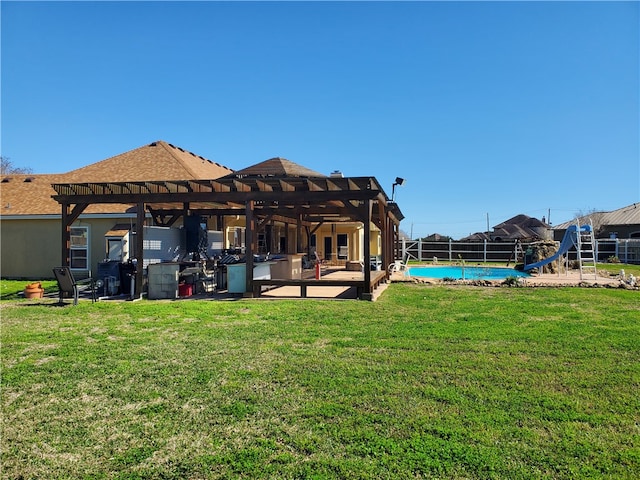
{"x":398,"y":266}
{"x":68,"y":286}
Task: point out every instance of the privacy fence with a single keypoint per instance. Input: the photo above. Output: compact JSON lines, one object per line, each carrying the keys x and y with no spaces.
{"x":626,"y":250}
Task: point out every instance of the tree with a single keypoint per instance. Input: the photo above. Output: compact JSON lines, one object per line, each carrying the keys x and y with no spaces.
{"x":7,"y":167}
{"x":592,"y":216}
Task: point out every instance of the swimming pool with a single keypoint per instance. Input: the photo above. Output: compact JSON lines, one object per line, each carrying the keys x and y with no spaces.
{"x":458,"y":272}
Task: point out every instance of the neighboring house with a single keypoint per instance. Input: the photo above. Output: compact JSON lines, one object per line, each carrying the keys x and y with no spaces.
{"x":31,"y":220}
{"x":621,"y":223}
{"x":436,"y":237}
{"x":521,"y":227}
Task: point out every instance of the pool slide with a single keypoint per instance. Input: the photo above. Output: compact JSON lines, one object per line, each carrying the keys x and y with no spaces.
{"x":569,"y":239}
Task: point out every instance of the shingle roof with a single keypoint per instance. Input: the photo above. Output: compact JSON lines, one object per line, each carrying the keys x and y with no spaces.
{"x":276,"y":167}
{"x":31,"y":194}
{"x":522,"y":221}
{"x":519,"y":227}
{"x":156,"y":161}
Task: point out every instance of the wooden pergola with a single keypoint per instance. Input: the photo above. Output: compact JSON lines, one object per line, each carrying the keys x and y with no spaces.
{"x":306,"y":202}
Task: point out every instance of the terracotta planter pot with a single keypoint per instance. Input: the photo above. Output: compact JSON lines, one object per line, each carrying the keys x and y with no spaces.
{"x":33,"y":290}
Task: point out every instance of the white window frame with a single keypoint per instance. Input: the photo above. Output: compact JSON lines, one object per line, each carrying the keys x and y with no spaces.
{"x":343,"y":250}
{"x":79,"y":248}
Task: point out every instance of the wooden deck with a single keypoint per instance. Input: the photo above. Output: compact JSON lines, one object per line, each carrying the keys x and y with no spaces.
{"x":337,"y":278}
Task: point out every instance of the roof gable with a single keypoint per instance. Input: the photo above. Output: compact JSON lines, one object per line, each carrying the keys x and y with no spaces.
{"x":276,"y":167}
{"x":522,"y":221}
{"x":157,"y":161}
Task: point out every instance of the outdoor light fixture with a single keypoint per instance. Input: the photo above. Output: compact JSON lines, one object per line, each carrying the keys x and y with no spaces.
{"x":399,"y":181}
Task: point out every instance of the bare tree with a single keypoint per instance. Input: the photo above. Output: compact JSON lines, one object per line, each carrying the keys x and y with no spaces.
{"x":7,"y":167}
{"x":594,"y":217}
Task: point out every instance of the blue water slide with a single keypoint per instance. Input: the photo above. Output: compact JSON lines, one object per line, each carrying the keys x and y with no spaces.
{"x":569,"y":239}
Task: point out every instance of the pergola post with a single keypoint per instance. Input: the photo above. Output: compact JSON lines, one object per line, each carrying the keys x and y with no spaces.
{"x":139,"y":249}
{"x":68,"y":217}
{"x":384,"y":234}
{"x":298,"y":234}
{"x":366,"y":291}
{"x":250,"y":233}
{"x":66,"y":236}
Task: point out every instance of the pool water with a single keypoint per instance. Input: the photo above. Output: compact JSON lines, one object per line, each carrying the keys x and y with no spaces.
{"x":466,"y":273}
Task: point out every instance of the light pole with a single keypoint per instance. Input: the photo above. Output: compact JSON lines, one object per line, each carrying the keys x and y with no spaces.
{"x":399,"y":181}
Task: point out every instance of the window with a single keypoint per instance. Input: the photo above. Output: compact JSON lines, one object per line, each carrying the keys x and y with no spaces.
{"x":80,"y":248}
{"x":312,"y":243}
{"x":343,"y":246}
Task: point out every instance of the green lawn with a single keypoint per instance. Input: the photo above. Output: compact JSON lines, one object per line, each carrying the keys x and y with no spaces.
{"x":427,"y":382}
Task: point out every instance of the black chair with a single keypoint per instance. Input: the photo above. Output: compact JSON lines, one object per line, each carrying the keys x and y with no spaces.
{"x":67,"y":285}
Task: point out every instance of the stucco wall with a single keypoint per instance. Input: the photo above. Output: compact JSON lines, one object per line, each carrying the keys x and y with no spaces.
{"x":30,"y":248}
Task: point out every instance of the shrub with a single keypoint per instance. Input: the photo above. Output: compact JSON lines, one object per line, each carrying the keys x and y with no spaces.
{"x":512,"y":281}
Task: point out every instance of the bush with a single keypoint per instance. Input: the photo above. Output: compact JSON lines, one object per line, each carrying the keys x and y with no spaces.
{"x":613,"y":259}
{"x":512,"y":281}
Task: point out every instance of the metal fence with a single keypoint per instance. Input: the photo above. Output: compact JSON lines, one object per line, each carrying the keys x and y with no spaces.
{"x":625,"y":250}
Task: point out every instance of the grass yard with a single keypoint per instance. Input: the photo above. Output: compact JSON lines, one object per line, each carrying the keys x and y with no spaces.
{"x":427,"y":382}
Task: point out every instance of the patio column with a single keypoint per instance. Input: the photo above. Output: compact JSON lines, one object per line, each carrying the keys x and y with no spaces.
{"x":66,"y":236}
{"x":384,"y":234}
{"x":139,"y":250}
{"x":68,"y":217}
{"x":250,"y":233}
{"x":366,"y":291}
{"x":298,"y":234}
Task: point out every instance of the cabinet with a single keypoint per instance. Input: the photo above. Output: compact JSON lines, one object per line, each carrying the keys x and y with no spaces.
{"x":237,"y":278}
{"x":163,"y":280}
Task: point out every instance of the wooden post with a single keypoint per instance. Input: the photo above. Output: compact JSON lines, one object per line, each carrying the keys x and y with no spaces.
{"x":139,"y":250}
{"x":250,"y":233}
{"x":366,"y":292}
{"x":66,"y":236}
{"x":298,"y":234}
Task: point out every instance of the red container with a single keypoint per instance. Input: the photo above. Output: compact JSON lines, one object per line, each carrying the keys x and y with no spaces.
{"x":185,"y":290}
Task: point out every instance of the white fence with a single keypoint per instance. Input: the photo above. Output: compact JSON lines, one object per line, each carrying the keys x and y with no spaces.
{"x":626,"y":250}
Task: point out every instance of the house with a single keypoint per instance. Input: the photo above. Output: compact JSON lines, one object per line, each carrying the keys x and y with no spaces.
{"x":521,"y":227}
{"x":31,"y":239}
{"x":622,"y":223}
{"x":274,"y":206}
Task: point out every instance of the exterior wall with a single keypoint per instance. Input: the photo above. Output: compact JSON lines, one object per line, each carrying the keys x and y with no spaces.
{"x":355,"y":235}
{"x":32,"y":247}
{"x":98,"y":227}
{"x":620,"y":231}
{"x":354,"y":232}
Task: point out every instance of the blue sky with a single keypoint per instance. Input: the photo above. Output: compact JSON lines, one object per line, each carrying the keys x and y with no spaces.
{"x":485,"y":108}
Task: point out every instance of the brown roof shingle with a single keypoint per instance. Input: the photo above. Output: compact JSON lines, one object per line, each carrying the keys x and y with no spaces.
{"x":276,"y":167}
{"x":156,"y":161}
{"x":31,"y":194}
